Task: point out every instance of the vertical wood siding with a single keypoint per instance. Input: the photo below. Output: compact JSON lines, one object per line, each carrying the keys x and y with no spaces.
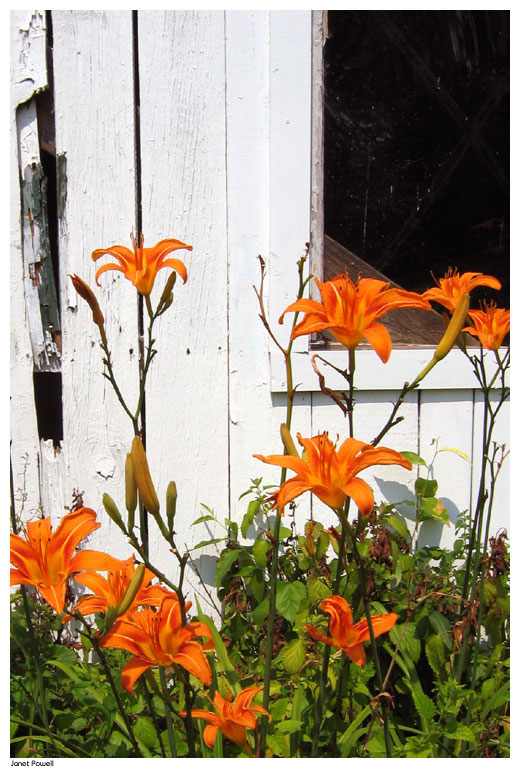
{"x":224,"y":130}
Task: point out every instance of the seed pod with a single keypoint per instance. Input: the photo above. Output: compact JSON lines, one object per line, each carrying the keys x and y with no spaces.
{"x":143,"y":478}
{"x":455,"y":326}
{"x":131,"y":591}
{"x":171,"y":504}
{"x":287,"y":441}
{"x":112,"y":511}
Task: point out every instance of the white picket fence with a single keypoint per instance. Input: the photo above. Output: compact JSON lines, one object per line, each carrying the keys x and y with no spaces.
{"x":227,"y":163}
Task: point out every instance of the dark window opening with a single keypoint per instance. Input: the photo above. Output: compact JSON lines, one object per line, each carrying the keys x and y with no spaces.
{"x":416,"y":145}
{"x":49,"y":409}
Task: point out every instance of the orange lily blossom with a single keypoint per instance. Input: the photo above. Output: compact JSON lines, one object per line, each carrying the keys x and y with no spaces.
{"x":111,"y":590}
{"x":232,"y":717}
{"x":331,"y":475}
{"x":491,"y":325}
{"x":451,"y":287}
{"x":158,"y":637}
{"x":45,"y":560}
{"x":141,"y":265}
{"x":346,"y":635}
{"x":351,"y":310}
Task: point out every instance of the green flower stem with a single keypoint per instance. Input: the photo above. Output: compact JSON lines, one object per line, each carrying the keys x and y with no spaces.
{"x":106,"y":667}
{"x":167,"y":712}
{"x":151,"y":709}
{"x":377,"y":666}
{"x":327,"y":650}
{"x":273,"y":575}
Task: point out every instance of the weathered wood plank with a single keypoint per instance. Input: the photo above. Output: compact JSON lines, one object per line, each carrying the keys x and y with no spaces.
{"x":183,"y":156}
{"x":93,"y":80}
{"x":28,"y":76}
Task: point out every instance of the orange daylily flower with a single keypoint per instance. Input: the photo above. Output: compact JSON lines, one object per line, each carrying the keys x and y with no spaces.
{"x":158,"y":637}
{"x":233,"y":716}
{"x":141,"y":265}
{"x":45,"y":560}
{"x":331,"y":474}
{"x":111,"y":590}
{"x":453,"y":286}
{"x":351,"y":310}
{"x":491,"y":325}
{"x":346,"y":635}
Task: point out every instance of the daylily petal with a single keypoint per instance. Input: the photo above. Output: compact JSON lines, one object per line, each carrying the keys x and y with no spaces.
{"x":91,"y":560}
{"x":210,"y":734}
{"x":380,"y":623}
{"x":132,"y":670}
{"x":357,"y":654}
{"x":350,"y":311}
{"x":379,"y":338}
{"x":361,"y":493}
{"x":141,"y":265}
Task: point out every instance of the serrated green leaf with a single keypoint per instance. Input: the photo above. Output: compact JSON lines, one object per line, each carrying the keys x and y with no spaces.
{"x":293,"y":656}
{"x":289,"y":726}
{"x":228,"y":557}
{"x":413,"y":458}
{"x":288,"y":599}
{"x":247,"y":521}
{"x":460,"y":732}
{"x":260,"y":549}
{"x":435,"y":653}
{"x":144,"y":731}
{"x":317,"y":590}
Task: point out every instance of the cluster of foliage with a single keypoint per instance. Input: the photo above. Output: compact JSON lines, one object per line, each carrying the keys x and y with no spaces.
{"x":362,"y":642}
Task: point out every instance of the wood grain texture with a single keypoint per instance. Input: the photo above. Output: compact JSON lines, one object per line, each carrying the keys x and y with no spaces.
{"x":183,"y":156}
{"x":93,"y":80}
{"x":28,"y":76}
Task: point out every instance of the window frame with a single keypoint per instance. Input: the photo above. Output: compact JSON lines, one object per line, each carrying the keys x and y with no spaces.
{"x":296,"y":209}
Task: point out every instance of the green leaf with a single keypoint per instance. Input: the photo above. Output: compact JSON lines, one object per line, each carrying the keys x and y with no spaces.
{"x":289,"y":726}
{"x":413,"y":458}
{"x":399,"y":526}
{"x":442,"y":626}
{"x":207,"y":543}
{"x":435,"y":653}
{"x":426,"y":488}
{"x":293,"y":656}
{"x":433,"y":509}
{"x":498,"y":700}
{"x":284,"y":533}
{"x":260,"y":549}
{"x":223,"y":659}
{"x":203,"y":519}
{"x":260,"y":612}
{"x":144,"y":731}
{"x":288,"y":599}
{"x":258,"y":584}
{"x":228,"y":557}
{"x":459,"y":453}
{"x":247,"y":521}
{"x":317,"y":590}
{"x":460,"y":732}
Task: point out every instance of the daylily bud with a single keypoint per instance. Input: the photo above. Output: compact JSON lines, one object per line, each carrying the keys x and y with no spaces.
{"x":110,"y":617}
{"x":131,"y":591}
{"x":112,"y":511}
{"x":130,"y":486}
{"x":143,"y":478}
{"x":287,"y":441}
{"x":171,"y":503}
{"x":456,"y":324}
{"x":167,"y":295}
{"x":86,"y":293}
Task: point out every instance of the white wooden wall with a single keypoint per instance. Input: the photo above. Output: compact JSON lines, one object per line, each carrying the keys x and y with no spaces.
{"x":226,"y":156}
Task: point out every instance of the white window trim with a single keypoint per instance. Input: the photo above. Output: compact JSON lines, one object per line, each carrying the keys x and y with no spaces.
{"x":296,"y":181}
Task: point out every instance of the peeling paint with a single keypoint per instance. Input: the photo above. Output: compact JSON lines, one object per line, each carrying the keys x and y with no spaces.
{"x":61,"y":176}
